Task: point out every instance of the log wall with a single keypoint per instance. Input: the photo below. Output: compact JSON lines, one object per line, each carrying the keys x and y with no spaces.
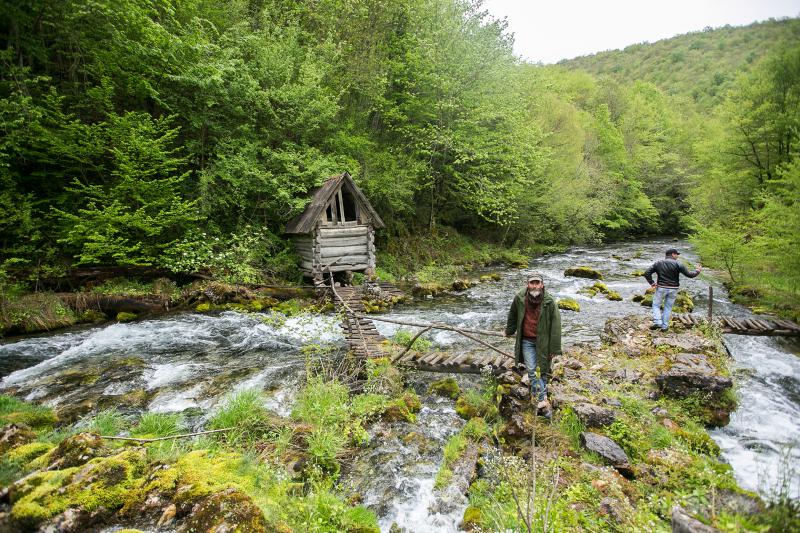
{"x":348,"y":248}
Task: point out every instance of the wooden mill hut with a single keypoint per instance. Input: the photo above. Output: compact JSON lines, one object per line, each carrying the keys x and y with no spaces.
{"x":336,"y":230}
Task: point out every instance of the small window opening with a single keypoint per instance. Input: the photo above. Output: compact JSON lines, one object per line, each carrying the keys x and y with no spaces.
{"x":349,"y":206}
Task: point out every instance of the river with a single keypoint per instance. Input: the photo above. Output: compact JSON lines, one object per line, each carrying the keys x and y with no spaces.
{"x":187,"y":363}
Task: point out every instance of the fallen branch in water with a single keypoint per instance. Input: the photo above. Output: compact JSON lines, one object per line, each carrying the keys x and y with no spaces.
{"x":137,"y":439}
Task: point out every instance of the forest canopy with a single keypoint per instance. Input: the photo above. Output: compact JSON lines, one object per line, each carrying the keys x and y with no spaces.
{"x":185,"y":134}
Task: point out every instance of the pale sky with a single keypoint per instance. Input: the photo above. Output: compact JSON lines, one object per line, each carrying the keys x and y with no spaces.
{"x":550,"y":30}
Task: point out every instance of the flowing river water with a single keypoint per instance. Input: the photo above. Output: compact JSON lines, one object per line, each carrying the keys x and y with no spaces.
{"x":187,"y":363}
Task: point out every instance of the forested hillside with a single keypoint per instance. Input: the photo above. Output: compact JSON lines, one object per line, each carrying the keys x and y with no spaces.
{"x":185,"y":134}
{"x":702,"y":65}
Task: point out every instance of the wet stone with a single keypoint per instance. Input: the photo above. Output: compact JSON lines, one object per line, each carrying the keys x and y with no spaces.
{"x":608,"y":450}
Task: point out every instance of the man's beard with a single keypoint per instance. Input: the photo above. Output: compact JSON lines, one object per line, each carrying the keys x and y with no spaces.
{"x":535,"y":295}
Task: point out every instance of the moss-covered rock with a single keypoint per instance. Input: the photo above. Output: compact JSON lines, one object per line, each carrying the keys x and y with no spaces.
{"x":14,"y":435}
{"x":228,"y":510}
{"x":614,"y":296}
{"x":583,"y":272}
{"x":494,"y":276}
{"x":445,"y":387}
{"x":568,"y":304}
{"x":102,"y":484}
{"x":125,"y":317}
{"x":465,"y":409}
{"x":28,"y":452}
{"x":36,"y":419}
{"x":403,"y":408}
{"x":427,"y":289}
{"x":462,"y":284}
{"x":92,"y":316}
{"x":75,"y":450}
{"x":472,"y":518}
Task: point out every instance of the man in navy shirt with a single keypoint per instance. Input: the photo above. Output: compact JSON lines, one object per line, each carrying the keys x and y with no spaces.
{"x":668,"y":271}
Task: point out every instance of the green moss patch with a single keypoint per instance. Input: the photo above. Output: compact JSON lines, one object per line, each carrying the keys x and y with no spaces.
{"x":445,"y":387}
{"x":583,"y":272}
{"x":569,"y":304}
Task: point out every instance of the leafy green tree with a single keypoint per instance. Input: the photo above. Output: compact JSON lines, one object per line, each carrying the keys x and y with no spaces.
{"x":141,"y":212}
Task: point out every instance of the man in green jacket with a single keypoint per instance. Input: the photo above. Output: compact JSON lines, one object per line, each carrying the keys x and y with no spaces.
{"x":536,"y":320}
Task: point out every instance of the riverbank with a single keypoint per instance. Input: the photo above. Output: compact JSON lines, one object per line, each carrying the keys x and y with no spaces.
{"x":627,"y":449}
{"x":434,"y":262}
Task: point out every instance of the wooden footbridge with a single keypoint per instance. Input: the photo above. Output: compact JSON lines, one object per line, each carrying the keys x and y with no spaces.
{"x":365,"y":342}
{"x":743,"y":326}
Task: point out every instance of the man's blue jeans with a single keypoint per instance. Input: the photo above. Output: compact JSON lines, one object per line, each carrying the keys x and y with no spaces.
{"x":668,"y":297}
{"x":538,"y":384}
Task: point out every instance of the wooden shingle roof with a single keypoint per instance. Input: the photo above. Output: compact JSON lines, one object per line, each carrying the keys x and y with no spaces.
{"x":321,"y":196}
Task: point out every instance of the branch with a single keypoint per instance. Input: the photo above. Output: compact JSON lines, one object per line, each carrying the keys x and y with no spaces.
{"x":170,"y":437}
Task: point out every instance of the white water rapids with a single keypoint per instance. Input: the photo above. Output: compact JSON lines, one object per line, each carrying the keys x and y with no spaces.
{"x":188,"y":363}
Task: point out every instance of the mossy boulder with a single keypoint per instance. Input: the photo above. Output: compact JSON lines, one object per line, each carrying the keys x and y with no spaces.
{"x":75,"y":450}
{"x":14,"y":435}
{"x":96,"y":488}
{"x":568,"y":304}
{"x":125,"y":317}
{"x":34,"y":416}
{"x":229,"y":510}
{"x":462,"y":284}
{"x":472,"y":518}
{"x":427,"y":289}
{"x":745,"y":291}
{"x":614,"y":296}
{"x":593,"y":290}
{"x":92,"y":316}
{"x":494,"y":276}
{"x":26,"y":453}
{"x":445,"y":387}
{"x":403,"y":408}
{"x":583,"y":272}
{"x":637,"y":273}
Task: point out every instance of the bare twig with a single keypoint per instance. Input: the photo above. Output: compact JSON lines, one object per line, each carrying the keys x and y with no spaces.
{"x":170,"y":437}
